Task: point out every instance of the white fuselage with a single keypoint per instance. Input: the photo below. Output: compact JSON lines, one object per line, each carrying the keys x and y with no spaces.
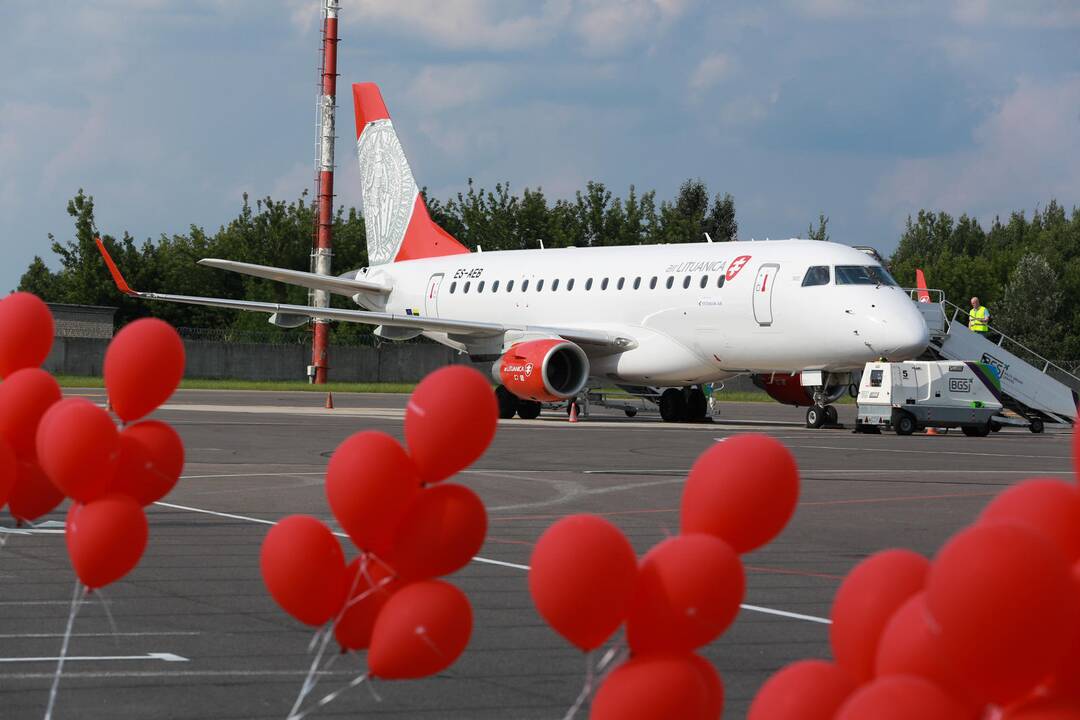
{"x":687,"y":327}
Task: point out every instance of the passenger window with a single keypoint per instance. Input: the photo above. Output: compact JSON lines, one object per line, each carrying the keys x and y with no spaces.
{"x":704,"y":281}
{"x":466,"y":288}
{"x":509,"y":285}
{"x":686,"y":282}
{"x":495,"y":286}
{"x":817,"y":275}
{"x":620,"y":283}
{"x":524,"y":285}
{"x":720,"y":280}
{"x":652,"y":283}
{"x":554,"y":284}
{"x":637,"y":283}
{"x":480,"y":287}
{"x":453,"y":287}
{"x":569,"y":284}
{"x":670,"y":281}
{"x":539,"y":284}
{"x":588,"y":284}
{"x":603,"y":284}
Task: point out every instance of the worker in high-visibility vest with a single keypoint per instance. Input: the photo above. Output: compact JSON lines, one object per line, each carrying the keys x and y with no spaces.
{"x":978,"y":317}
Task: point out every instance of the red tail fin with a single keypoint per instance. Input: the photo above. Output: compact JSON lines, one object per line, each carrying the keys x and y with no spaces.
{"x":920,"y":284}
{"x":397,"y":221}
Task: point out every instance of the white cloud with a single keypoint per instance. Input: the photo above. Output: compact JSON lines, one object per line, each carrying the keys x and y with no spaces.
{"x":443,"y":87}
{"x":610,"y":26}
{"x":460,"y":24}
{"x":1033,"y":13}
{"x":1024,"y":153}
{"x":710,"y":71}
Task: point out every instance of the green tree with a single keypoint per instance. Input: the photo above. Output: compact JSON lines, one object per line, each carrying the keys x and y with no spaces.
{"x":1030,"y":312}
{"x":822,"y":232}
{"x":721,"y":224}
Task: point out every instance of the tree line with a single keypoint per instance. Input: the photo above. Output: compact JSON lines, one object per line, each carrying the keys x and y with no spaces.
{"x":1026,"y":269}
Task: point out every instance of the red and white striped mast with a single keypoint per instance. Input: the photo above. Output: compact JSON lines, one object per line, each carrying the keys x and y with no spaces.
{"x":324,"y":184}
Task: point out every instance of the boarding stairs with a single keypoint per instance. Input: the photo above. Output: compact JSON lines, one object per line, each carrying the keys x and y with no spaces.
{"x":1033,"y":387}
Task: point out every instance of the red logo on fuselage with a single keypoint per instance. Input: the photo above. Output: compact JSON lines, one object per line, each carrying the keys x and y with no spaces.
{"x":736,"y":265}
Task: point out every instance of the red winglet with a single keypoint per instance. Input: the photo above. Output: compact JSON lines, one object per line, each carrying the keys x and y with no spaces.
{"x":121,"y":283}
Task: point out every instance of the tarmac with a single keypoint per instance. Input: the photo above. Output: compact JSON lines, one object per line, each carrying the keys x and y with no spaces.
{"x":197,"y":636}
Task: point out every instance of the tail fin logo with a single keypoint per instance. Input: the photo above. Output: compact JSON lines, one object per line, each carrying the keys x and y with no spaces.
{"x":389,"y":190}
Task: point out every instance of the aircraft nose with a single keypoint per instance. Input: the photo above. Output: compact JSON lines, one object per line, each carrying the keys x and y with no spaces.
{"x":907,"y":334}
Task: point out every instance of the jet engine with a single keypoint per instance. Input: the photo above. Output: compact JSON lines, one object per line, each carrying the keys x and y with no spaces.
{"x":545,"y":370}
{"x":789,"y":390}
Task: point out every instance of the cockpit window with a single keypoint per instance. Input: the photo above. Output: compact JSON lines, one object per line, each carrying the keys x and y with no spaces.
{"x":817,"y":275}
{"x":863,"y":275}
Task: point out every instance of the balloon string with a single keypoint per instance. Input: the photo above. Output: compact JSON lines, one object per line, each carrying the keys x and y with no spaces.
{"x":326,"y":632}
{"x":593,"y":677}
{"x":76,"y":603}
{"x":586,"y":688}
{"x":367,"y":593}
{"x":108,"y":614}
{"x":329,"y":697}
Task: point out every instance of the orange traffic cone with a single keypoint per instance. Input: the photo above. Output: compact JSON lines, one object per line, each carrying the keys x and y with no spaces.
{"x":573,"y":412}
{"x":329,"y":401}
{"x":932,"y":431}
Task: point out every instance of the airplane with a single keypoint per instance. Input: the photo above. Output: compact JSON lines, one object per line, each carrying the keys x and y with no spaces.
{"x":801,"y":316}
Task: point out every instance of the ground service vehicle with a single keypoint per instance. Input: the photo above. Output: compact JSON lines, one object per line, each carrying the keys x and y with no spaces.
{"x":907,"y":396}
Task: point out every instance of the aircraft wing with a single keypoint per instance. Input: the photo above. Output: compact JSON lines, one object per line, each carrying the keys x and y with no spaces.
{"x":451,"y":327}
{"x":335,"y":284}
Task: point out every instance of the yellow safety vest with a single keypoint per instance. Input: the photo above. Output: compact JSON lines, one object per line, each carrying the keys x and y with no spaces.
{"x":979,"y":316}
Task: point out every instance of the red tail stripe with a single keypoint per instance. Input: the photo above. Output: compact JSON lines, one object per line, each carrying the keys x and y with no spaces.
{"x":368,"y":104}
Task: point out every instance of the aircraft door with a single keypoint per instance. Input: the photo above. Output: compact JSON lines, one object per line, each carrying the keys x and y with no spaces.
{"x":431,"y":300}
{"x":763,"y":290}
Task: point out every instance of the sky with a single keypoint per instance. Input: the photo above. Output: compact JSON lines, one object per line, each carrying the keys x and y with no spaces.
{"x":167,"y":111}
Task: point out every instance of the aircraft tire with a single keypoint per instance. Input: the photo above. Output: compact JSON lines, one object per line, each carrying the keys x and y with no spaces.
{"x":508,"y":402}
{"x":815,"y":416}
{"x":697,"y":405}
{"x":673,"y":405}
{"x":528,"y":409}
{"x":831,"y":416}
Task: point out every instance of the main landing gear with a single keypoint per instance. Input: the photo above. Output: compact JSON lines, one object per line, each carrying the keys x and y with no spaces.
{"x":510,"y":404}
{"x":684,"y":405}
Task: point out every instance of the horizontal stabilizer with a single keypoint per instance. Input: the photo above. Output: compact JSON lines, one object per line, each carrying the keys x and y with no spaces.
{"x":335,"y":284}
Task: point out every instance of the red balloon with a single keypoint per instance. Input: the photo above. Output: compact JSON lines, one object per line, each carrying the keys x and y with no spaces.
{"x":449,"y":421}
{"x":805,"y":690}
{"x":151,"y":458}
{"x":661,"y":686}
{"x":1003,"y":598}
{"x":714,"y":687}
{"x":910,"y":646}
{"x":26,"y":332}
{"x":143,"y":365}
{"x":370,"y":586}
{"x":77,"y":447}
{"x":581,"y":577}
{"x":1054,"y":708}
{"x":900,"y":697}
{"x":370,"y":482}
{"x":24,"y":397}
{"x":440,"y":532}
{"x":106,"y":538}
{"x":33,"y":494}
{"x":868,"y":597}
{"x":742,"y":490}
{"x":304,"y":569}
{"x":421,"y":629}
{"x":688,"y":592}
{"x":8,"y":471}
{"x":1046,"y":506}
{"x":1067,"y":675}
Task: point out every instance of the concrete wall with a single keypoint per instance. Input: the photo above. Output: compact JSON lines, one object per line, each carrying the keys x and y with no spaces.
{"x":390,"y":363}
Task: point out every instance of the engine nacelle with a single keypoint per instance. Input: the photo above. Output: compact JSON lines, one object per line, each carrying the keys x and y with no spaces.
{"x":544,"y":370}
{"x":789,"y":390}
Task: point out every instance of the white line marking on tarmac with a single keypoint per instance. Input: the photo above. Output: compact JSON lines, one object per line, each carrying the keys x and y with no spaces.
{"x":164,"y":657}
{"x":175,"y":674}
{"x":862,"y":448}
{"x":7,"y":636}
{"x":487,"y":561}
